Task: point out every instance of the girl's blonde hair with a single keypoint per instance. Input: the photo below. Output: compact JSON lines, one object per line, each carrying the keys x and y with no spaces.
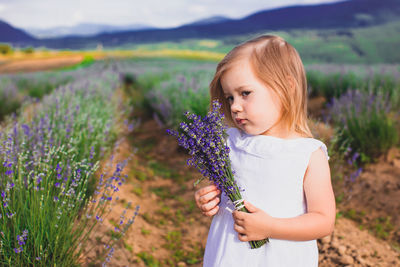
{"x":278,"y":65}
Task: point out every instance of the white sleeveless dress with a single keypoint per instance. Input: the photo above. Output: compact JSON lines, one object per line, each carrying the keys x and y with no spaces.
{"x":271,"y":171}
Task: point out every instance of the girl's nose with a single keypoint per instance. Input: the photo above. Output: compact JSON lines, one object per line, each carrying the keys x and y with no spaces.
{"x":236,"y":106}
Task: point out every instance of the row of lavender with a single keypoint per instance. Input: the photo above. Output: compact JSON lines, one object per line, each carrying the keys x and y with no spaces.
{"x":364,"y":109}
{"x":50,"y":200}
{"x":15,"y":89}
{"x":168,"y":88}
{"x":362,"y":103}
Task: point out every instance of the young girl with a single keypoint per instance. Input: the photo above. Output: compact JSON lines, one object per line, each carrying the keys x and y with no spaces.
{"x":283,"y":170}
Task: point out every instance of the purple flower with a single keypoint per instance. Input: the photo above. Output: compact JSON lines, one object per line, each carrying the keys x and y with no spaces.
{"x":355,"y":174}
{"x":21,"y":241}
{"x":58,"y":169}
{"x":204,"y":138}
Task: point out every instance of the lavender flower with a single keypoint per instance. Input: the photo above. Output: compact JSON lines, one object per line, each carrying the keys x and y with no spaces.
{"x":204,"y":138}
{"x":21,"y":241}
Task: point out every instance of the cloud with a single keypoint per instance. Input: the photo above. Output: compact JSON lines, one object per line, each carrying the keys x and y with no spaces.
{"x":198,"y":9}
{"x":2,"y":7}
{"x":77,"y":17}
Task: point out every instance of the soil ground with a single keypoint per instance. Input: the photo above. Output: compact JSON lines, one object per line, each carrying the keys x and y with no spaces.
{"x":170,"y":230}
{"x":40,"y":64}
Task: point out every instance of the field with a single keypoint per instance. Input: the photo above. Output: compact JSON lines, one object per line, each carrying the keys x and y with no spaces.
{"x":84,"y":148}
{"x":369,"y":45}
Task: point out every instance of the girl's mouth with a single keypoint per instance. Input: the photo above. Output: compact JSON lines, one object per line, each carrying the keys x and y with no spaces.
{"x":240,"y":121}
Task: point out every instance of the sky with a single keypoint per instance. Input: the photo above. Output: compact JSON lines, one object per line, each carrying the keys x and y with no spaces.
{"x":158,"y":13}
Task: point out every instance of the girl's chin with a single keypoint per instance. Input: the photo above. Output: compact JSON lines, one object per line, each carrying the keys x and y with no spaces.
{"x":248,"y":130}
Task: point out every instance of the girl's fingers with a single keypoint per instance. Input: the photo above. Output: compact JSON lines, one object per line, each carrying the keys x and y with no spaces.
{"x":210,"y":205}
{"x":205,"y":195}
{"x":212,"y":212}
{"x":239,"y":222}
{"x":205,"y":190}
{"x":243,"y":238}
{"x":238,"y":215}
{"x":239,"y":229}
{"x":208,"y":197}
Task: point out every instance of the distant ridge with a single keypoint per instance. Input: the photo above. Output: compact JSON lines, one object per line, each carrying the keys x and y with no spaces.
{"x":210,"y":20}
{"x":9,"y":34}
{"x":344,"y":14}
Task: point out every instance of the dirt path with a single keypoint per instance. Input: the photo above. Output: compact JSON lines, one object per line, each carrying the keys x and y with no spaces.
{"x":40,"y":64}
{"x":372,"y":200}
{"x":171,"y":232}
{"x":350,"y":246}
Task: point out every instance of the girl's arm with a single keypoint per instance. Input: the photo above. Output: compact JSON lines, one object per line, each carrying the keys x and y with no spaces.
{"x":318,"y":222}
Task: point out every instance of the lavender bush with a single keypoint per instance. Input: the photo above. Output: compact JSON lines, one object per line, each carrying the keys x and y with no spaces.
{"x":10,"y":100}
{"x":50,"y":202}
{"x":204,"y":138}
{"x":169,"y":87}
{"x":365,"y":123}
{"x":183,"y":92}
{"x":17,"y":88}
{"x":335,"y":84}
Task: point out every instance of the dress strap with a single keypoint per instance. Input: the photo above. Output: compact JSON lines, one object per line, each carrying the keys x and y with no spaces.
{"x":316,"y":144}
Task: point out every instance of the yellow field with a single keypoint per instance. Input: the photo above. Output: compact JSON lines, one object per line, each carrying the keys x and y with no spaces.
{"x":43,"y":60}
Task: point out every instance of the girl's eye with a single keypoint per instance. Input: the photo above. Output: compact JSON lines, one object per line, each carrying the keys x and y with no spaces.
{"x":229,"y":98}
{"x":246,"y":93}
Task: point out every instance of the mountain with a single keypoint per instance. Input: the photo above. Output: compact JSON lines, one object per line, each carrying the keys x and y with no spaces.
{"x":338,"y":15}
{"x":353,"y":13}
{"x":84,"y":29}
{"x":210,"y":20}
{"x":9,"y":34}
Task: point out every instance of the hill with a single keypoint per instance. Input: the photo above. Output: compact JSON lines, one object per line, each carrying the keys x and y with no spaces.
{"x":342,"y":15}
{"x":210,"y":20}
{"x":9,"y":34}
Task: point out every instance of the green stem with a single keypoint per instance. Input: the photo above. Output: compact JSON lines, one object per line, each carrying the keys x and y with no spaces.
{"x":234,"y":196}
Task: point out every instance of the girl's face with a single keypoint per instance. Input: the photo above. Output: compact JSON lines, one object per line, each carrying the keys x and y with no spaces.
{"x":255,"y":108}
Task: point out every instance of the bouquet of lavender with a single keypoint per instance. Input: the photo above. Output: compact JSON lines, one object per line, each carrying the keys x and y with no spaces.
{"x":205,"y":140}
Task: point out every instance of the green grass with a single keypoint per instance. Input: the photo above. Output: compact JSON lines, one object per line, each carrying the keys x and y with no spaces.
{"x":86,"y":62}
{"x":148,"y":259}
{"x":373,"y":44}
{"x":174,"y":243}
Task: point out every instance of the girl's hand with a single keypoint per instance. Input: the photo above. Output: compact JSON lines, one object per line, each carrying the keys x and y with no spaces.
{"x":207,"y":199}
{"x":255,"y":225}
